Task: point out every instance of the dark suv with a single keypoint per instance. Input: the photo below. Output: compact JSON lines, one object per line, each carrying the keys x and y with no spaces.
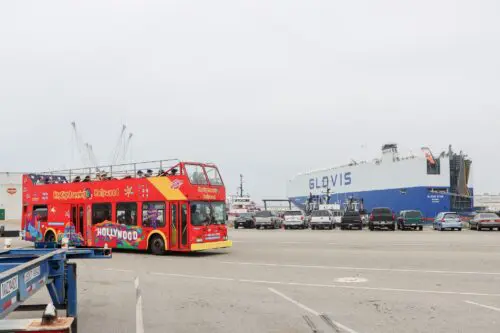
{"x":382,"y":217}
{"x":245,"y":220}
{"x":410,"y":219}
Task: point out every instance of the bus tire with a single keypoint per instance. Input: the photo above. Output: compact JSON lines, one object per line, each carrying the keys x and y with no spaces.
{"x":157,"y":245}
{"x":50,"y":237}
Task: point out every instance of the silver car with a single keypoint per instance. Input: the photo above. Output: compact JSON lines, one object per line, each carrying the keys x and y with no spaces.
{"x":447,"y":220}
{"x":295,"y":219}
{"x":485,"y":221}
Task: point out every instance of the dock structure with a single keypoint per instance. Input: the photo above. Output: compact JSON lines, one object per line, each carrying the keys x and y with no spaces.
{"x":24,"y":271}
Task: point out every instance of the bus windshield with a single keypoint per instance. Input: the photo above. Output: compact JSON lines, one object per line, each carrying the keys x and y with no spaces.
{"x":213,"y":176}
{"x":219,"y":212}
{"x":205,"y":213}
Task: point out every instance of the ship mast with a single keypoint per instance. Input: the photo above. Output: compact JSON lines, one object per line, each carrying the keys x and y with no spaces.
{"x":240,"y":188}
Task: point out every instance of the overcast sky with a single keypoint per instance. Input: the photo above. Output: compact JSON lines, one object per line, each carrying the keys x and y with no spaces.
{"x":267,"y":88}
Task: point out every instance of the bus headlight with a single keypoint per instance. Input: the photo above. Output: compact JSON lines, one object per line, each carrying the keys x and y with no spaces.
{"x":199,"y":240}
{"x":225,"y":237}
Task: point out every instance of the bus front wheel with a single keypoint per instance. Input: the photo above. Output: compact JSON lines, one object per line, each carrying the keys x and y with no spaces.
{"x":50,"y":237}
{"x":157,"y":245}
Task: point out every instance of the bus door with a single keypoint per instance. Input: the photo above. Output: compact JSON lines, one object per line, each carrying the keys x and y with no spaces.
{"x":179,"y":231}
{"x":78,"y":219}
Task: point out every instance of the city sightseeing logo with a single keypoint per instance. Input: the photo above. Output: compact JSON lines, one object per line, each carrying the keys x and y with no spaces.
{"x":67,"y":195}
{"x":86,"y":194}
{"x":176,"y":184}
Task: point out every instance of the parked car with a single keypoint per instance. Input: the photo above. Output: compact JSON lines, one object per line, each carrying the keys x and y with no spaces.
{"x":322,"y":219}
{"x":485,"y":221}
{"x":267,"y":220}
{"x":337,"y":217}
{"x":295,"y":219}
{"x":410,"y":219}
{"x":447,"y":220}
{"x":245,"y":220}
{"x":351,"y":219}
{"x":382,"y":217}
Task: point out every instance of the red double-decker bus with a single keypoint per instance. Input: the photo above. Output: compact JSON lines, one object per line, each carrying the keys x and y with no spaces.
{"x":157,"y":206}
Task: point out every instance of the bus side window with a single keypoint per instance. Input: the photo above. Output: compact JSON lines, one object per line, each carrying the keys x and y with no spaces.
{"x":101,"y":212}
{"x":153,"y":214}
{"x":40,"y":213}
{"x":126,"y":213}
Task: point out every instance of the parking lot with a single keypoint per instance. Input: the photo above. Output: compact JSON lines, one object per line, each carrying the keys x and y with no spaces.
{"x":301,"y":281}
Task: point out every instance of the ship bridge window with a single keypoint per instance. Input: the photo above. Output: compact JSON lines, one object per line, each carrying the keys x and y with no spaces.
{"x":434,"y":168}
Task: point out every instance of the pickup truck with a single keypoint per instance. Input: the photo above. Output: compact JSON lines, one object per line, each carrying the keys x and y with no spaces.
{"x":351,"y":219}
{"x":382,"y":217}
{"x":322,"y":219}
{"x":267,"y":220}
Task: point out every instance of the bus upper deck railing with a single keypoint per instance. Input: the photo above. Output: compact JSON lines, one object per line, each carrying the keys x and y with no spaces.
{"x":106,"y":172}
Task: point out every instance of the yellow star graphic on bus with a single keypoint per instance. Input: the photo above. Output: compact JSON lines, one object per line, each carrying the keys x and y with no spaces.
{"x":128,"y":191}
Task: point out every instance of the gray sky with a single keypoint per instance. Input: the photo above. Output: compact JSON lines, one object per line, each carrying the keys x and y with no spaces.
{"x":264,"y":88}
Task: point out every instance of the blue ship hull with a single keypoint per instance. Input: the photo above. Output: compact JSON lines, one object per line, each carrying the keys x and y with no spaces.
{"x":418,"y":198}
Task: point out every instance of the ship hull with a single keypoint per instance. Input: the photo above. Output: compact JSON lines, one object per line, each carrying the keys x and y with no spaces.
{"x":418,"y":198}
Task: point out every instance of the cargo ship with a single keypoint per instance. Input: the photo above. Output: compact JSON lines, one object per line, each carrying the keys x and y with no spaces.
{"x":424,"y":182}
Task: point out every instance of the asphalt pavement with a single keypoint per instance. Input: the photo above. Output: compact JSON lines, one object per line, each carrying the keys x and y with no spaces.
{"x":300,"y":281}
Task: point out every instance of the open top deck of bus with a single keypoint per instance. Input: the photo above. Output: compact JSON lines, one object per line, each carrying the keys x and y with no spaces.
{"x":160,"y":168}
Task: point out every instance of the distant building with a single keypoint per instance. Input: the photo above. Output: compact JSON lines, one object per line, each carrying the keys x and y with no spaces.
{"x":11,"y":194}
{"x":487,"y":201}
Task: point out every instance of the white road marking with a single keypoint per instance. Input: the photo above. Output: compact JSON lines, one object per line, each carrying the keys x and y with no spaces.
{"x":192,"y":276}
{"x":352,"y":279}
{"x":139,"y":324}
{"x":294,"y":242}
{"x":402,"y":270}
{"x":119,"y":270}
{"x":300,"y":305}
{"x":301,"y":284}
{"x":308,"y":309}
{"x":483,"y":306}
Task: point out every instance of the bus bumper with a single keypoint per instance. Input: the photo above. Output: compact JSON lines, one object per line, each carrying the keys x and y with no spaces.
{"x":211,"y":245}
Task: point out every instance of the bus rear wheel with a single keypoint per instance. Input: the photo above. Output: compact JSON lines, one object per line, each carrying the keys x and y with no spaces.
{"x":157,"y":245}
{"x":50,"y":237}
